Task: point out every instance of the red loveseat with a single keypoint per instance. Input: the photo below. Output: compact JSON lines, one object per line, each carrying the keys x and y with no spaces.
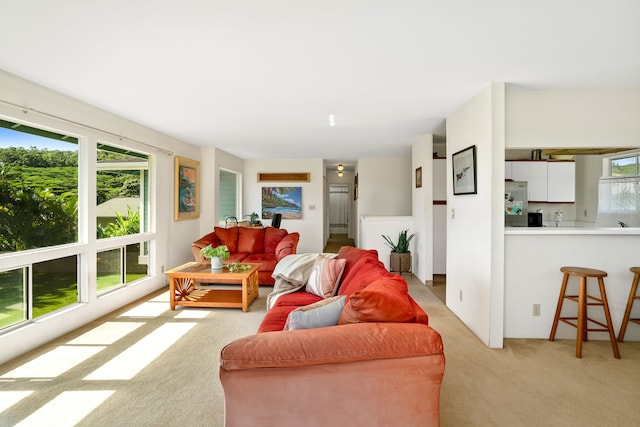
{"x":264,"y":245}
{"x":380,"y":365}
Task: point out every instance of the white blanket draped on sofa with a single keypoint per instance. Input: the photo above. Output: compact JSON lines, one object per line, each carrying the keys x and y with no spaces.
{"x":292,"y":273}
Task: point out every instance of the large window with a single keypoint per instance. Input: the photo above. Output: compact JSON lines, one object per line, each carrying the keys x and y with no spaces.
{"x":46,"y":236}
{"x":38,"y":209}
{"x":122,"y":186}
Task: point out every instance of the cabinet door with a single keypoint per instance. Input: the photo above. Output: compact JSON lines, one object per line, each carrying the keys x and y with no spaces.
{"x":535,"y":173}
{"x":561,"y":182}
{"x":537,"y":181}
{"x":520,"y":171}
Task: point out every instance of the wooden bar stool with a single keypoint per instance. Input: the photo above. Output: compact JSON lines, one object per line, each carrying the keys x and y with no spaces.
{"x":632,"y":297}
{"x":581,"y":322}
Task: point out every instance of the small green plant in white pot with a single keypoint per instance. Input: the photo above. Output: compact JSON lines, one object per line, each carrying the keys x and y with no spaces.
{"x":216,"y":255}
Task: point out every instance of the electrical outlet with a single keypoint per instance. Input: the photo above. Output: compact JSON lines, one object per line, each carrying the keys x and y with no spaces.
{"x":453,"y":215}
{"x":460,"y":296}
{"x":585,"y":213}
{"x":536,"y":310}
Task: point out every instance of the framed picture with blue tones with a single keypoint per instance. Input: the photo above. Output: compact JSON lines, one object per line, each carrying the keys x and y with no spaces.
{"x":187,"y":189}
{"x":283,"y":200}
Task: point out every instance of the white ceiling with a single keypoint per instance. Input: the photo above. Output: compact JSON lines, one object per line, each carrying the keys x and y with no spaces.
{"x":259,"y":78}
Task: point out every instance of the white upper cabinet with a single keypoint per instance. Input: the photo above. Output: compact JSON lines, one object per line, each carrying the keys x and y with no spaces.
{"x":561,"y":181}
{"x":535,"y":173}
{"x":547,"y":181}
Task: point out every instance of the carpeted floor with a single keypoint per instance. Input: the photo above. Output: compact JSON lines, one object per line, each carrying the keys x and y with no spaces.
{"x":91,"y":378}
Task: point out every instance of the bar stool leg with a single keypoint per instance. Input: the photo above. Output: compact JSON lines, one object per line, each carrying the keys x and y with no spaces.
{"x":627,"y":312}
{"x":563,"y":288}
{"x":607,"y":315}
{"x":582,"y":316}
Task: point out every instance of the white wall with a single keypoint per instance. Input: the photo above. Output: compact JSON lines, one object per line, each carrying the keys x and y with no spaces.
{"x":384,"y":185}
{"x":172,"y":239}
{"x":605,"y":117}
{"x":475,"y":250}
{"x":422,"y":257}
{"x":310,"y":227}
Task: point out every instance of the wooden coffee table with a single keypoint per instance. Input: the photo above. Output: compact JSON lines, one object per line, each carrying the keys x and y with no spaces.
{"x":183,"y":291}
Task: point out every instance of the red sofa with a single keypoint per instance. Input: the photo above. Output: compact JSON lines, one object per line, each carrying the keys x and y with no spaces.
{"x":264,"y":245}
{"x":381,"y":365}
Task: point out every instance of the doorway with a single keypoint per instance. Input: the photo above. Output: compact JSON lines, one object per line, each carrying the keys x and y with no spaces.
{"x":338,"y":209}
{"x":339,"y":214}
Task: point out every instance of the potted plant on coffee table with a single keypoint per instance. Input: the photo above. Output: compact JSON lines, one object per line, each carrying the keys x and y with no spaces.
{"x":216,"y":255}
{"x":400,"y":255}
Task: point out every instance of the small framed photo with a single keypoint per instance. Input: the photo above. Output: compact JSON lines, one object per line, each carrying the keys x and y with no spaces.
{"x":187,"y":189}
{"x":464,"y":171}
{"x":419,"y":177}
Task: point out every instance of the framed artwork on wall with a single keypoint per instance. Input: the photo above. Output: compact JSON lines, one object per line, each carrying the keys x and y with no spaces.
{"x":419,"y":177}
{"x":187,"y":189}
{"x":283,"y":200}
{"x":464,"y":171}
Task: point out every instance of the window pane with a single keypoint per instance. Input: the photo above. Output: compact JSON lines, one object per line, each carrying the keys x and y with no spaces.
{"x":13,"y":297}
{"x":38,"y":188}
{"x":112,"y":273}
{"x":109,"y":267}
{"x":122,"y":189}
{"x":626,"y":166}
{"x":228,"y":199}
{"x":137,"y":261}
{"x":55,"y":285}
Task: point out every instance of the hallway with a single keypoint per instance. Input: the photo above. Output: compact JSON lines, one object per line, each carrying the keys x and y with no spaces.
{"x":336,"y":241}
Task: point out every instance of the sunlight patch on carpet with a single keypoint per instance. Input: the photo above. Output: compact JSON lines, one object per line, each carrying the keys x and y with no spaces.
{"x":147,"y":309}
{"x":10,"y":398}
{"x":54,"y":363}
{"x":107,"y":333}
{"x":135,"y":358}
{"x":67,"y":409}
{"x":193,"y":314}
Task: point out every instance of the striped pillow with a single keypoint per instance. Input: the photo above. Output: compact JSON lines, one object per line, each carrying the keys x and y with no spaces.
{"x":325,"y":276}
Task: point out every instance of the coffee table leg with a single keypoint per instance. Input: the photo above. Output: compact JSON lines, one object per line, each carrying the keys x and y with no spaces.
{"x":172,"y":293}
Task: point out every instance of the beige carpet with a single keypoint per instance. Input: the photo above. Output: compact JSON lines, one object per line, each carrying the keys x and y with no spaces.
{"x":528,"y":383}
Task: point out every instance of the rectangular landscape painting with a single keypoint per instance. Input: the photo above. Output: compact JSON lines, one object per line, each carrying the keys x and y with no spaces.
{"x":283,"y":200}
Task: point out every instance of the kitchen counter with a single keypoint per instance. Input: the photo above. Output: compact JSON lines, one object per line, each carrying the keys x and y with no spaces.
{"x":533,"y":257}
{"x":613,"y":231}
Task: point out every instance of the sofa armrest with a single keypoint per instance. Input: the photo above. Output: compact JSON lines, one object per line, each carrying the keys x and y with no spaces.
{"x":330,"y":345}
{"x":205,"y":240}
{"x":287,"y":246}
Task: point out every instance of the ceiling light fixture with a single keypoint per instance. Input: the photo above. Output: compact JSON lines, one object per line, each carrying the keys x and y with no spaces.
{"x":340,"y":167}
{"x":340,"y":173}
